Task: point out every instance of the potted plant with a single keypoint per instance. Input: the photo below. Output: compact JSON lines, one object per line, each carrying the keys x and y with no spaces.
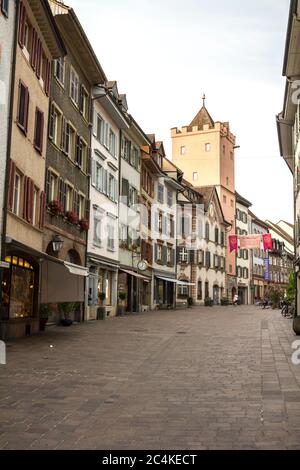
{"x":44,"y":315}
{"x":66,"y":309}
{"x":101,"y":310}
{"x":208,"y":302}
{"x":72,"y":217}
{"x":224,"y":301}
{"x":121,"y":307}
{"x":56,"y":207}
{"x":84,"y":225}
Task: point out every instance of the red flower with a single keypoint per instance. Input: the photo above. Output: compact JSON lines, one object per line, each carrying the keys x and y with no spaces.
{"x":56,"y":207}
{"x":72,"y":217}
{"x":84,"y":225}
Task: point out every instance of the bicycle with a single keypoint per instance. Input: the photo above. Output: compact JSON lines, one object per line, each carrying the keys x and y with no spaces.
{"x":288,"y":309}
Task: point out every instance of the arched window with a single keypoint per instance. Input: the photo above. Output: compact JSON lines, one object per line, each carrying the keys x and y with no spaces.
{"x":207,"y":231}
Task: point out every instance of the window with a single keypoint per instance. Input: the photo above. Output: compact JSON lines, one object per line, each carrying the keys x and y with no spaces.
{"x":81,"y":212}
{"x":59,"y":70}
{"x":74,"y":87}
{"x":112,"y":143}
{"x":195,"y":176}
{"x":183,"y":291}
{"x":133,"y":196}
{"x":182,"y":150}
{"x":97,"y":226}
{"x":170,"y":198}
{"x":127,"y":149}
{"x":169,"y":255}
{"x":200,"y":256}
{"x":222,"y":238}
{"x":206,"y":290}
{"x":112,"y":188}
{"x":84,"y":103}
{"x":224,"y":199}
{"x":111,"y":237}
{"x":207,"y":231}
{"x":231,"y":203}
{"x":23,"y":107}
{"x":27,"y":37}
{"x":230,"y":268}
{"x":51,"y":186}
{"x":216,"y":235}
{"x":159,"y":252}
{"x":81,"y":154}
{"x":39,"y":130}
{"x":17,"y":193}
{"x":160,"y":193}
{"x":216,"y":261}
{"x":183,"y":255}
{"x":71,"y":142}
{"x":231,"y":155}
{"x":207,"y":147}
{"x":69,"y":198}
{"x":227,"y":181}
{"x":199,"y":295}
{"x":55,"y":125}
{"x":4,"y":7}
{"x":224,"y":149}
{"x":207,"y":260}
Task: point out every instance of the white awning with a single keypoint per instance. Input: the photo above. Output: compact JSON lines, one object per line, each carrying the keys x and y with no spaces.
{"x":76,"y":269}
{"x":168,"y":279}
{"x":180,"y":283}
{"x":133,"y":273}
{"x":185,"y":283}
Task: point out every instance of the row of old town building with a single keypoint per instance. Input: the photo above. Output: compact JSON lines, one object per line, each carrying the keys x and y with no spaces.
{"x":94,"y":213}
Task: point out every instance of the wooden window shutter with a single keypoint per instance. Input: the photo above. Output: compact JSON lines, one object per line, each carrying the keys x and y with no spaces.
{"x":39,"y":130}
{"x":48,"y":186}
{"x":34,"y":46}
{"x":26,"y":110}
{"x":81,"y":99}
{"x":89,"y":162}
{"x":39,"y":54}
{"x":30,"y":201}
{"x":87,"y":211}
{"x":25,"y":198}
{"x":42,"y":209}
{"x":12,"y":173}
{"x":22,"y":18}
{"x":48,"y":78}
{"x":51,"y":122}
{"x":63,"y":134}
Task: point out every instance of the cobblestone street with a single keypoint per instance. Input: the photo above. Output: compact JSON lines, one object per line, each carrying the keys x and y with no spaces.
{"x":202,"y":378}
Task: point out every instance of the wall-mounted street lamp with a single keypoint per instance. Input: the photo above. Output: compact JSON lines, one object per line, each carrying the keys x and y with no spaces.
{"x":57,"y":243}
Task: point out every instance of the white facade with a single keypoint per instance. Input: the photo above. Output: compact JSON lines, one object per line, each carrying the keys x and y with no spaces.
{"x":7,"y":30}
{"x":201,"y":257}
{"x":103,"y":237}
{"x":243,"y":259}
{"x":164,"y":246}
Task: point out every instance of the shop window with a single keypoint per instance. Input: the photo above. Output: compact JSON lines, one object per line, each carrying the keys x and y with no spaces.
{"x":18,"y":283}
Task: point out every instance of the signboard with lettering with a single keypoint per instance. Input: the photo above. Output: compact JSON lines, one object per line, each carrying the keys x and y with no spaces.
{"x":267,"y":269}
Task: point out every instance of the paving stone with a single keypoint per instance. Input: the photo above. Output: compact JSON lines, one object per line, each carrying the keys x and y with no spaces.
{"x":135,"y":383}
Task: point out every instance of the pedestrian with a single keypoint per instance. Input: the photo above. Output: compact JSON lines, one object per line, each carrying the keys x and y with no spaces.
{"x":235,"y":299}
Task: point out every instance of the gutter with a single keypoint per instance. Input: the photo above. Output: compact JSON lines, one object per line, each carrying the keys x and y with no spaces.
{"x":292,"y":15}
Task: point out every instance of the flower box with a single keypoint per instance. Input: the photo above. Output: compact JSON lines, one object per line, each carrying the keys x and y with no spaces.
{"x":72,"y":217}
{"x":56,"y":207}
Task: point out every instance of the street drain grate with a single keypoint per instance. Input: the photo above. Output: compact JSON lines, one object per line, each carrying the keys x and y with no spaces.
{"x":181,"y":332}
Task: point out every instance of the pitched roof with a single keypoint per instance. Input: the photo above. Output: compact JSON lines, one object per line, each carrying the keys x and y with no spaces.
{"x":202,"y":118}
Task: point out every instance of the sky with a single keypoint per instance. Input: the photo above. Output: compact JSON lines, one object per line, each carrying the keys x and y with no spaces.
{"x":165,"y":54}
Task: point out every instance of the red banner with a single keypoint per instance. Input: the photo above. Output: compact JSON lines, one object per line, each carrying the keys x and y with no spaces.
{"x":233,"y":243}
{"x":267,"y":240}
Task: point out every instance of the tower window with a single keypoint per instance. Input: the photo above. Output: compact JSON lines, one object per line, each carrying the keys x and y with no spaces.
{"x":182,"y":150}
{"x":207,"y":147}
{"x":195,"y":176}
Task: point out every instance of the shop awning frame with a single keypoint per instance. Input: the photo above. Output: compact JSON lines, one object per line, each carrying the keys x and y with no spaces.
{"x":133,"y":273}
{"x":76,"y":269}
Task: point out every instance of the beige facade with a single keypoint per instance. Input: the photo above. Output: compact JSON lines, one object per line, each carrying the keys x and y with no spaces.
{"x":204,"y":151}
